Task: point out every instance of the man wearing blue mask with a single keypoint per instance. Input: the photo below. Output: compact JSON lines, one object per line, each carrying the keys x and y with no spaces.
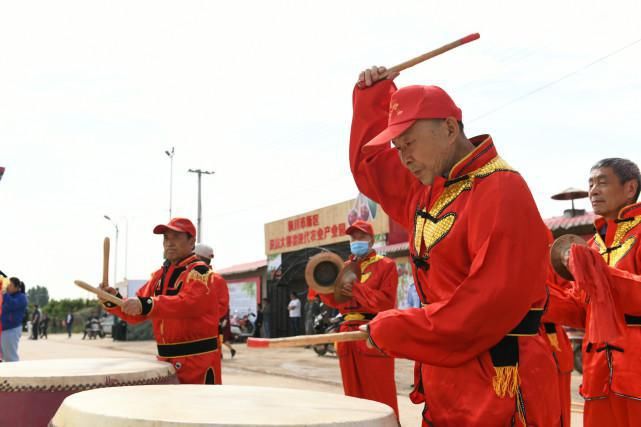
{"x":367,"y":373}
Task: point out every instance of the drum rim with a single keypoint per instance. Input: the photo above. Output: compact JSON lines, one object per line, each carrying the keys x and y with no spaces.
{"x":148,"y":372}
{"x":96,"y":403}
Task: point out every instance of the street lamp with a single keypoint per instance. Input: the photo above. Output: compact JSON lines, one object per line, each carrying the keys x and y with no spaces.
{"x":116,"y":251}
{"x":170,"y":154}
{"x":200,"y":173}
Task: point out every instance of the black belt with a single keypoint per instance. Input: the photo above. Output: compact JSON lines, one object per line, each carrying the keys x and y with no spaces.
{"x":506,"y":352}
{"x":632,"y":320}
{"x":550,"y":328}
{"x":529,"y":325}
{"x":190,"y":348}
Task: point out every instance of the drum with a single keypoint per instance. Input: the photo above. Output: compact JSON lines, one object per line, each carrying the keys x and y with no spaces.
{"x":206,"y":405}
{"x":31,"y":391}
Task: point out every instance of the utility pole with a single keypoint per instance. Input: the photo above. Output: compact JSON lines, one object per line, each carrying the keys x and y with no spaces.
{"x":170,"y":154}
{"x":200,"y":172}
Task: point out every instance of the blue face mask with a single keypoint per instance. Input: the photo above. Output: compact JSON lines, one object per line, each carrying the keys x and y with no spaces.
{"x":359,"y":248}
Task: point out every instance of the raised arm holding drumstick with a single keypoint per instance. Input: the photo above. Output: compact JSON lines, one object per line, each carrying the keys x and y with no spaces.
{"x":479,"y":251}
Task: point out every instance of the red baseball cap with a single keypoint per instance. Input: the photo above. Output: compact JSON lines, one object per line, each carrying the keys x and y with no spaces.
{"x":182,"y":225}
{"x":413,"y":103}
{"x":360,"y":225}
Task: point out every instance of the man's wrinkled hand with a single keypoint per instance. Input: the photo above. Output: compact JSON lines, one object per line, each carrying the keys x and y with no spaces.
{"x":347,"y":288}
{"x":107,"y":289}
{"x":368,"y":342}
{"x":132,"y":307}
{"x":370,"y":76}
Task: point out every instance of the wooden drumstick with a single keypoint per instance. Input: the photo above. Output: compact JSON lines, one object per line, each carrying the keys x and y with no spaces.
{"x":303,"y":340}
{"x":99,"y":292}
{"x":105,"y":262}
{"x":431,"y":54}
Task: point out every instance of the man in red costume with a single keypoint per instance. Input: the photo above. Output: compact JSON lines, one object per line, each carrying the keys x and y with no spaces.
{"x":181,"y":301}
{"x":366,"y":372}
{"x":479,"y":249}
{"x":611,"y":370}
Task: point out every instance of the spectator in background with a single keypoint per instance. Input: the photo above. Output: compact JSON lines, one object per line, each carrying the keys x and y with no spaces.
{"x":2,"y":277}
{"x":412,"y":297}
{"x":259,"y":320}
{"x":35,"y":322}
{"x":44,"y":325}
{"x":267,"y":317}
{"x":294,"y":308}
{"x":14,"y":304}
{"x":69,"y":323}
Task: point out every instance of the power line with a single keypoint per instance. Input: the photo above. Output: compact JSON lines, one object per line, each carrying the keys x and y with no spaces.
{"x":566,"y":76}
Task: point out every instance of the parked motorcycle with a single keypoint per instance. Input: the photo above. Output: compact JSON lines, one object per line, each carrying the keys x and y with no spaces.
{"x":242,"y":326}
{"x":93,"y":329}
{"x":324,"y":323}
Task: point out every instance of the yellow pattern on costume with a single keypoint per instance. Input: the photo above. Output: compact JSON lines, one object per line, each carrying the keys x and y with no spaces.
{"x":367,"y":263}
{"x":621,"y":247}
{"x":199,"y":277}
{"x":429,"y":231}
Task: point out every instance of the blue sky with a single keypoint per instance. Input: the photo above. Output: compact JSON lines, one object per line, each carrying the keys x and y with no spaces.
{"x":92,"y":93}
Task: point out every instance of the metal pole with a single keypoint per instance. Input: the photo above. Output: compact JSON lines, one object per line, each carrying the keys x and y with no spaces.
{"x":171,"y":182}
{"x":200,"y":207}
{"x":116,"y":257}
{"x":126,"y":244}
{"x":170,"y":154}
{"x":200,"y":172}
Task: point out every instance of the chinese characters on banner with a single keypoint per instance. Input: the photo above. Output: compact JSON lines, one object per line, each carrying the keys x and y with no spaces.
{"x":324,"y":226}
{"x":304,"y":230}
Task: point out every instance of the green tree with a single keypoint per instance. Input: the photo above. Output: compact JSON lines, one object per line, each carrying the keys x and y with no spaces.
{"x":38,"y":295}
{"x":80,"y":308}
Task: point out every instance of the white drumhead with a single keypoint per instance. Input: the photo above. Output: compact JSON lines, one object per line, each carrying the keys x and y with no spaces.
{"x":220,"y":405}
{"x":63,"y":374}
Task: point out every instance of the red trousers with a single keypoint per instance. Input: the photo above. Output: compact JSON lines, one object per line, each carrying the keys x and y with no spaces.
{"x":614,"y":411}
{"x":565,"y":383}
{"x":200,"y":369}
{"x":366,"y":373}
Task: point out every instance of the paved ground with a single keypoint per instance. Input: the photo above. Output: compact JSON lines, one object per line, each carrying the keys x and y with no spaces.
{"x":297,"y":368}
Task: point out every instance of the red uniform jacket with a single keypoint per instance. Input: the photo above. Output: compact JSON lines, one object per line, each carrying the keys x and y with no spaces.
{"x":616,"y":366}
{"x":366,"y":372}
{"x":480,"y":253}
{"x":182,"y":303}
{"x":376,"y":291}
{"x":222,"y":291}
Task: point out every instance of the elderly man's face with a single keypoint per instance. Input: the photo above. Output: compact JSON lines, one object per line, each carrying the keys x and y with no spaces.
{"x":177,"y":245}
{"x":427,"y":148}
{"x":607,"y":193}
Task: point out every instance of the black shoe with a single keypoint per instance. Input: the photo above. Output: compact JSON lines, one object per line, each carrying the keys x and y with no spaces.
{"x":233,"y":353}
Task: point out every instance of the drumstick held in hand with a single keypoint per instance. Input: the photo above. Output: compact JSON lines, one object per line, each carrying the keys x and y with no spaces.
{"x":105,"y":262}
{"x":303,"y":340}
{"x":99,"y":292}
{"x":431,"y":54}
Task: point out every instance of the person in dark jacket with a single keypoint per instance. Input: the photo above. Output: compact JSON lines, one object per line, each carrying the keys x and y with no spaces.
{"x":14,"y":305}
